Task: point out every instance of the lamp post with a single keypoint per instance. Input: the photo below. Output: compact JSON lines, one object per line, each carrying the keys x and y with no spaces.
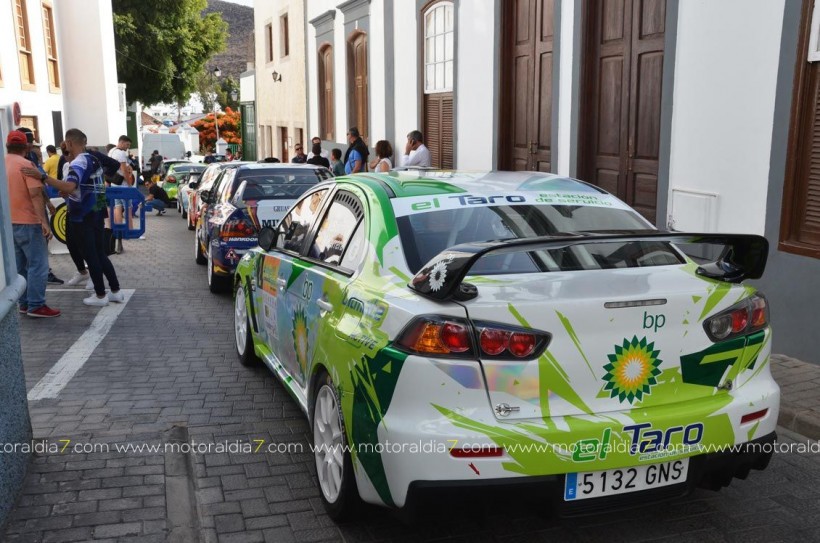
{"x":234,"y":96}
{"x":217,"y":73}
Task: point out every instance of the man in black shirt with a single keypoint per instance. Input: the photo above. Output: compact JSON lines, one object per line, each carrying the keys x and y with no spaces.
{"x":157,"y":196}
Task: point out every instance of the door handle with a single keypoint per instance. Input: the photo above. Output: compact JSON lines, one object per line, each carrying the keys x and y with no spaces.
{"x":281,"y":283}
{"x":324,"y":305}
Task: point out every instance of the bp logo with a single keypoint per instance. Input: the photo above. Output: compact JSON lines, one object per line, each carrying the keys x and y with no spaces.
{"x":632,"y":370}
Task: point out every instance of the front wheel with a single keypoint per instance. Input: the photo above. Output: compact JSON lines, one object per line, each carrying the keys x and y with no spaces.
{"x":242,"y":330}
{"x":334,"y":467}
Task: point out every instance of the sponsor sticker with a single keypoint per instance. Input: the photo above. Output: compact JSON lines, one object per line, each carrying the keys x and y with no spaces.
{"x":423,"y":204}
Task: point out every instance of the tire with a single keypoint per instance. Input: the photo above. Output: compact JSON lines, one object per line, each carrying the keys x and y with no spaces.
{"x":216,"y":283}
{"x":242,"y":330}
{"x":190,"y":221}
{"x":341,"y":499}
{"x":184,"y":214}
{"x":200,"y":258}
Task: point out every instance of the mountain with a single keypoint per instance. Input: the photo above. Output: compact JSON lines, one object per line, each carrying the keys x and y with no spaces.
{"x":239,"y":50}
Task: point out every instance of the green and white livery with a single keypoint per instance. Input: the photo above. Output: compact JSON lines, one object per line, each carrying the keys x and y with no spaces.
{"x":450,"y":328}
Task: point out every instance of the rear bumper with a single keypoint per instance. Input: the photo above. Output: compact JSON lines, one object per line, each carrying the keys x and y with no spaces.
{"x":712,"y":471}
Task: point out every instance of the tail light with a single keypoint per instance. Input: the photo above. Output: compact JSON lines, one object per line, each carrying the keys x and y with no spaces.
{"x":460,"y":338}
{"x":743,"y":318}
{"x":238,"y":228}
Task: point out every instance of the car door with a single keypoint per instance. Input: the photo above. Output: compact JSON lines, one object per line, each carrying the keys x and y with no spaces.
{"x":279,"y":273}
{"x":316,"y":295}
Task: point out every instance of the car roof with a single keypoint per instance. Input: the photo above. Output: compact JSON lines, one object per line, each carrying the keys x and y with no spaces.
{"x":279,"y":166}
{"x":406,"y":183}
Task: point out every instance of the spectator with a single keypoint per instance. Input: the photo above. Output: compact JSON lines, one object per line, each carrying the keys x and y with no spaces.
{"x":52,"y":162}
{"x":336,"y":164}
{"x":30,"y":154}
{"x":316,"y":157}
{"x":156,"y":164}
{"x":29,"y":225}
{"x":415,"y":152}
{"x":229,"y":156}
{"x":120,"y":154}
{"x":85,"y":185}
{"x":383,"y":153}
{"x":301,"y":157}
{"x":314,"y":141}
{"x":157,"y":196}
{"x":356,"y":155}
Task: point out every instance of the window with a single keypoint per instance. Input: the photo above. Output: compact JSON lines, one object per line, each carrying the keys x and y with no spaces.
{"x":326,"y":104}
{"x":437,"y":38}
{"x":51,"y":49}
{"x":295,"y":226}
{"x":269,"y":42}
{"x":337,"y":229}
{"x":284,"y":36}
{"x":32,"y":123}
{"x":800,"y":214}
{"x":358,"y":100}
{"x":24,"y":45}
{"x":438,"y":48}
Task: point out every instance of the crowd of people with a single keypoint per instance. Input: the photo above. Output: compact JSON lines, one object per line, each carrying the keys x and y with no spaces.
{"x":355,"y":160}
{"x":79,"y":175}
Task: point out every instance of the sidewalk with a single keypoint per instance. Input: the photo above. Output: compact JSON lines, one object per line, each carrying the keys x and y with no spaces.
{"x":799,"y":395}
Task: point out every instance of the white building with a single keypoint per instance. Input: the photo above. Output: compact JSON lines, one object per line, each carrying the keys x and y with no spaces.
{"x":279,"y":72}
{"x":682,"y":109}
{"x":58,"y":63}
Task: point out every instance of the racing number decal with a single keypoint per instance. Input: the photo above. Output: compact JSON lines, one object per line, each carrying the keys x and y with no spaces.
{"x":307,"y":289}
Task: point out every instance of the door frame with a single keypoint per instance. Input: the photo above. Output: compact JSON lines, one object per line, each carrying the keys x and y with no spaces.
{"x":581,"y":98}
{"x":504,"y":108}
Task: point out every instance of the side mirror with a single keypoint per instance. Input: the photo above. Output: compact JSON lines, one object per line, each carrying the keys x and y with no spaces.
{"x":267,"y":238}
{"x":193,"y":184}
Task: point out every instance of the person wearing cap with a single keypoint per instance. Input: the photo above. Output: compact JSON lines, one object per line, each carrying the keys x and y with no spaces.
{"x":30,"y":227}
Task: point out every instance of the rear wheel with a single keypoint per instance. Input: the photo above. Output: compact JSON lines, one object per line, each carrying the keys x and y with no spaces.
{"x":191,"y":225}
{"x":216,"y":283}
{"x":200,"y":258}
{"x":334,"y":467}
{"x":242,"y":330}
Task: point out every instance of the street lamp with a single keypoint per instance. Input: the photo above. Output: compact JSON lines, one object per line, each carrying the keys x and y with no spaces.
{"x":234,"y":95}
{"x":217,"y":74}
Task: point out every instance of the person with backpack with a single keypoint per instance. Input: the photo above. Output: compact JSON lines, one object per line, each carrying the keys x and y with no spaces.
{"x":87,"y":209}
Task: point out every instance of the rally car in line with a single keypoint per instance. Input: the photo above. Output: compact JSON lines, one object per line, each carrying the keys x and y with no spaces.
{"x":198,"y":198}
{"x":243,"y":200}
{"x":452,"y":329}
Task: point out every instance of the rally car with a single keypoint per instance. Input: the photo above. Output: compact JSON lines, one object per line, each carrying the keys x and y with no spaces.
{"x":242,"y":200}
{"x":452,"y":329}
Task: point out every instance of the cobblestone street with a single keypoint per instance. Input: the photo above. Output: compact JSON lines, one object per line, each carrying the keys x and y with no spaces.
{"x":167,"y":371}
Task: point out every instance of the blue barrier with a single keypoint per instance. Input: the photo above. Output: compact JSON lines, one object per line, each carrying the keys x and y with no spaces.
{"x":133,"y":210}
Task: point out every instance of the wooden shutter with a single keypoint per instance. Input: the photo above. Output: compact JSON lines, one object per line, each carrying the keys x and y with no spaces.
{"x":326,"y":109}
{"x":800,"y":216}
{"x":438,"y":128}
{"x":357,"y":75}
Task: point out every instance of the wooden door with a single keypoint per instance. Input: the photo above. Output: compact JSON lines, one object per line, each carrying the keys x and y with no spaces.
{"x":326,"y":104}
{"x":358,"y":77}
{"x":283,"y":137}
{"x":526,"y":94}
{"x":621,"y":99}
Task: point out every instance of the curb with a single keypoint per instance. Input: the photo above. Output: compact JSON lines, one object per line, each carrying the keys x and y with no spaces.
{"x":801,"y":421}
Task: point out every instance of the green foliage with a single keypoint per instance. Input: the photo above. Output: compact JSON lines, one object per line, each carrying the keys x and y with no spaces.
{"x":163,"y":45}
{"x":208,"y":86}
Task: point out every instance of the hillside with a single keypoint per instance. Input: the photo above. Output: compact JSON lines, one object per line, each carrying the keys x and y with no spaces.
{"x":239,"y":50}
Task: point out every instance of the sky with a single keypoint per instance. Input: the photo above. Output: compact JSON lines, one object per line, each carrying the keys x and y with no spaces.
{"x":243,"y":2}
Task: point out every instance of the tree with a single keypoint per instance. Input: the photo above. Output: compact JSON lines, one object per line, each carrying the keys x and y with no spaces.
{"x":229,"y":123}
{"x":163,"y":46}
{"x":211,"y":89}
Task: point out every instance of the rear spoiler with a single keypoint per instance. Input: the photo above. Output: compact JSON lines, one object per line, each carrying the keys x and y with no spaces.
{"x":744,"y":257}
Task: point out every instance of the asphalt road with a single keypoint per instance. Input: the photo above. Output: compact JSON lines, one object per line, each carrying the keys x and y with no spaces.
{"x":166,"y":370}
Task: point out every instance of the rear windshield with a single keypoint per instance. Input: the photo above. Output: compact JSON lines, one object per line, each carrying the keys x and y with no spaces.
{"x":285,"y":185}
{"x":424,"y":235}
{"x":183,"y":168}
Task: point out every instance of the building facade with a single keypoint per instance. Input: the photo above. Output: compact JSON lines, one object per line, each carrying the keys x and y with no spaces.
{"x":279,"y":72}
{"x":650,"y":99}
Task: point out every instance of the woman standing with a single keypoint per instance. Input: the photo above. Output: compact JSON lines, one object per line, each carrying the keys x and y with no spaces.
{"x":384,"y":151}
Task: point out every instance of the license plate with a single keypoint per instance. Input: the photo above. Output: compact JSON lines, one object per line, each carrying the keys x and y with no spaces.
{"x":596,"y":484}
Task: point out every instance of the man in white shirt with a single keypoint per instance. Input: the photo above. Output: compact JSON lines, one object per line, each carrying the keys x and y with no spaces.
{"x":120,"y":154}
{"x":415,"y":152}
{"x":316,"y":140}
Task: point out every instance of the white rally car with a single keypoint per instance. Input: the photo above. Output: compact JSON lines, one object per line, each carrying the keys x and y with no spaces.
{"x":454,"y":329}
